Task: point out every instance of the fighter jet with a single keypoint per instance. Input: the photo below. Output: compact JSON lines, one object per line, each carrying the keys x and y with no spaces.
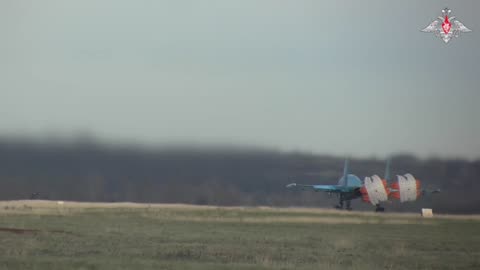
{"x":347,"y":188}
{"x":374,"y":189}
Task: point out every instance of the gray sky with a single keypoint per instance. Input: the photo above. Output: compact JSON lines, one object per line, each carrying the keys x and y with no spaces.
{"x":337,"y":77}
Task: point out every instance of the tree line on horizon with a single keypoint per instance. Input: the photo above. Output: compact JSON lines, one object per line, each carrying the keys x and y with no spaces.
{"x":229,"y":176}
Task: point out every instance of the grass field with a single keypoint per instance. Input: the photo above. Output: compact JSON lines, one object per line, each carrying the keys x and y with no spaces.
{"x":47,"y":235}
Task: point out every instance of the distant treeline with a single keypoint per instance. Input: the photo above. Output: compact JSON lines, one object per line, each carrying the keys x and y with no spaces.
{"x":87,"y":171}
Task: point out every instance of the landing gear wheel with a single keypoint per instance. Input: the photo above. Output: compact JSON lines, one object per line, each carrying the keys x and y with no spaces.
{"x":340,"y":204}
{"x":379,"y":209}
{"x":349,"y":206}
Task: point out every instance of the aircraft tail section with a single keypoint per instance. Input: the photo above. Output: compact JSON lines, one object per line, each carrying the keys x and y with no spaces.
{"x":345,"y":173}
{"x":387,"y":170}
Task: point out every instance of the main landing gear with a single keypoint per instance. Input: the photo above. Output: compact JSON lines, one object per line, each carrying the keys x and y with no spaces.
{"x":379,"y":208}
{"x":348,"y":204}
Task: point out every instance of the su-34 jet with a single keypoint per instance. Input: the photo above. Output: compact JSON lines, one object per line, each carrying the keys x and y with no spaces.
{"x":348,"y":188}
{"x":374,"y":189}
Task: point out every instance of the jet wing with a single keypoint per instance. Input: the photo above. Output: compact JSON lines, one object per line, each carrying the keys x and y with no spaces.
{"x":325,"y":188}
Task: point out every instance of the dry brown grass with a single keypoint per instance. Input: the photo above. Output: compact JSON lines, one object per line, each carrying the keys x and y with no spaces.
{"x":294,"y":220}
{"x":78,"y":235}
{"x":341,"y":217}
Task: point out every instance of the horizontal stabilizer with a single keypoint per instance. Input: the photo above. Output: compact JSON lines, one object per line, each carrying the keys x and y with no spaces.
{"x":428,"y":192}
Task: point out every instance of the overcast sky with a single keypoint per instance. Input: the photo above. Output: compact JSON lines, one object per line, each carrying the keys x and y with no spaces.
{"x":334,"y":77}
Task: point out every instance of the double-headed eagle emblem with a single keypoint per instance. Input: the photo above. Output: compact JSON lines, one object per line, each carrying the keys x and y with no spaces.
{"x":446,"y":27}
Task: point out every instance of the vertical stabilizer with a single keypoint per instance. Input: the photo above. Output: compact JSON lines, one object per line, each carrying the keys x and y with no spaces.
{"x":345,"y":173}
{"x":387,"y":170}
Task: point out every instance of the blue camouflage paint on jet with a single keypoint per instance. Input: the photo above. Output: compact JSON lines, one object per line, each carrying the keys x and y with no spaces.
{"x":353,"y":188}
{"x":347,"y":189}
